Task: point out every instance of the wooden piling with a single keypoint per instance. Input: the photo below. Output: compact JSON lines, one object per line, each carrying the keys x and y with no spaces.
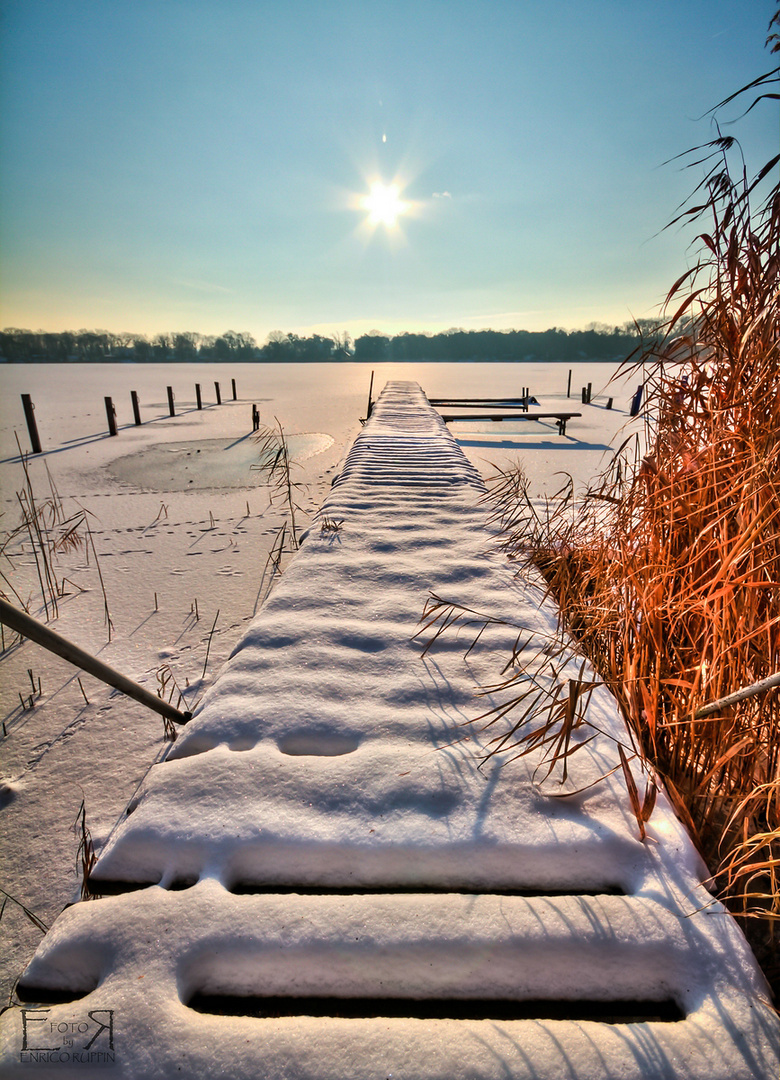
{"x":568,"y":385}
{"x":110,"y":416}
{"x":219,"y":396}
{"x":233,"y":384}
{"x":370,"y":388}
{"x":136,"y":410}
{"x":32,"y":426}
{"x":170,"y":400}
{"x":197,"y":395}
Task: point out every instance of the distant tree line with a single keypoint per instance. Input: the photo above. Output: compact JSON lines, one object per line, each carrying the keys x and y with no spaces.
{"x":98,"y":346}
{"x":597,"y":342}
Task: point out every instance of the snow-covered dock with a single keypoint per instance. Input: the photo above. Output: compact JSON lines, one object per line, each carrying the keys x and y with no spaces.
{"x":321,"y":882}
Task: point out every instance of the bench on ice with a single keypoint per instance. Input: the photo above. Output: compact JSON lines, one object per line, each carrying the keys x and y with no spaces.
{"x":484,"y":403}
{"x":561,"y":418}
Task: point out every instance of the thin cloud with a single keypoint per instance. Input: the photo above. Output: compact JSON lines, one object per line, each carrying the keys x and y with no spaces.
{"x":201,"y":286}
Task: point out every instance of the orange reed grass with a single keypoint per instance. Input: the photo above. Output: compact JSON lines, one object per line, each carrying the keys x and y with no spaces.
{"x":668,"y":571}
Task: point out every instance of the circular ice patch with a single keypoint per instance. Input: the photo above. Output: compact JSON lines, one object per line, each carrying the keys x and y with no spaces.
{"x":208,"y":463}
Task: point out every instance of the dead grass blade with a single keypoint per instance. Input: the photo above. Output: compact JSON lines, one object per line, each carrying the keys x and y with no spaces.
{"x":276,"y":464}
{"x":38,"y":923}
{"x":85,"y":854}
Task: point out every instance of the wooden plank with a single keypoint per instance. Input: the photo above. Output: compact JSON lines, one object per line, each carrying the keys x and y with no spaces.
{"x":449,"y":417}
{"x":477,"y":400}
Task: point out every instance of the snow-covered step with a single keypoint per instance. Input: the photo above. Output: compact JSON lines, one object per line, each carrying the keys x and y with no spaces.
{"x":320,"y":880}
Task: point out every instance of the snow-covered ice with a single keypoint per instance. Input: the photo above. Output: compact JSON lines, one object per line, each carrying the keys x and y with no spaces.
{"x":322,"y":830}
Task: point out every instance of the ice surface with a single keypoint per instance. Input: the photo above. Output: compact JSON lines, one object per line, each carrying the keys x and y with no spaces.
{"x":208,"y":463}
{"x":323,"y":830}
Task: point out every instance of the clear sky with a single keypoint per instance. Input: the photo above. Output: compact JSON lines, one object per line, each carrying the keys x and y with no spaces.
{"x":204,"y":164}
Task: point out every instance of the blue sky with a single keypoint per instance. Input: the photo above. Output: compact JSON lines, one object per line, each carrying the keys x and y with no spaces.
{"x":200,"y":164}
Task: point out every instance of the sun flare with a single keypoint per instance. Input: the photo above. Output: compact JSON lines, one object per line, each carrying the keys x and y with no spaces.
{"x":384,"y":204}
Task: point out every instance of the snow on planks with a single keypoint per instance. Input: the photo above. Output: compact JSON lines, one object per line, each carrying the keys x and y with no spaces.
{"x":321,"y":881}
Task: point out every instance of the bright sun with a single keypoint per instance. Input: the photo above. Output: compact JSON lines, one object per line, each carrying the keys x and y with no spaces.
{"x":384,"y":205}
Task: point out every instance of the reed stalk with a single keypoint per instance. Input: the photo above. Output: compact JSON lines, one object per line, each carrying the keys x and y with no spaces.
{"x":667,"y":572}
{"x":277,"y":466}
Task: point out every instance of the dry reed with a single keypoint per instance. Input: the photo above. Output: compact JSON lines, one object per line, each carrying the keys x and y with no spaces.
{"x":167,"y":686}
{"x":85,"y":855}
{"x":51,"y":533}
{"x":275,"y":462}
{"x":38,"y":923}
{"x":667,"y":572}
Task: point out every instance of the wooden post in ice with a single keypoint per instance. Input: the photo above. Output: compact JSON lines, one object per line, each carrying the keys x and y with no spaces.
{"x":136,"y":410}
{"x":233,"y":382}
{"x":370,"y":388}
{"x":590,"y":391}
{"x":170,"y":400}
{"x":568,"y":385}
{"x":197,"y":395}
{"x":32,"y":426}
{"x":110,"y":416}
{"x":219,"y":396}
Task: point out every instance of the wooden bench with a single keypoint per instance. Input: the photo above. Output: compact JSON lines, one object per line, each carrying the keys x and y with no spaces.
{"x":560,"y":417}
{"x":484,"y":403}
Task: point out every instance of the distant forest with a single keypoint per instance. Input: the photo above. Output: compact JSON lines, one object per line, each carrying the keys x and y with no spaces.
{"x":598,"y":342}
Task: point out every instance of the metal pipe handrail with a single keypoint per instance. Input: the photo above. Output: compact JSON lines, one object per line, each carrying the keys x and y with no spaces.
{"x":734,"y":698}
{"x":29,"y":627}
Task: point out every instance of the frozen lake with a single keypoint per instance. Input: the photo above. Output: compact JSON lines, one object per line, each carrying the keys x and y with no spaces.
{"x":183,"y":540}
{"x":310,"y":399}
